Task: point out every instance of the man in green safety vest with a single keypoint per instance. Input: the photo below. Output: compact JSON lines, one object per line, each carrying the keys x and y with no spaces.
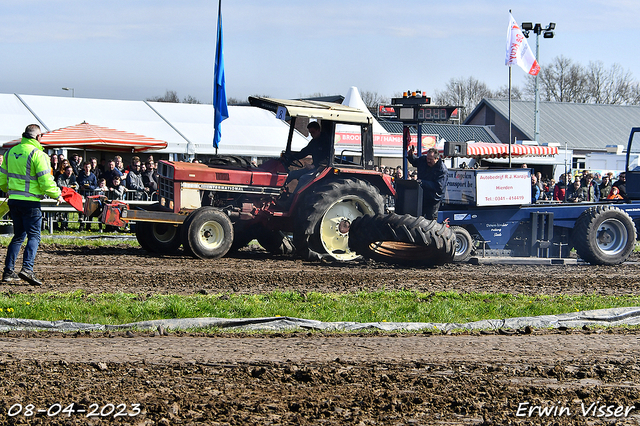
{"x":25,"y":175}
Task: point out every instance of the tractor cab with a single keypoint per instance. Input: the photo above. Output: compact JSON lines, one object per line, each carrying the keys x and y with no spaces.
{"x":355,"y":153}
{"x":633,"y":168}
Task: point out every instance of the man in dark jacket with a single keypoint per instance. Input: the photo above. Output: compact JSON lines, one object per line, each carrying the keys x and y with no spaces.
{"x":621,"y":183}
{"x":134,"y":181}
{"x":432,"y":176}
{"x":86,"y":180}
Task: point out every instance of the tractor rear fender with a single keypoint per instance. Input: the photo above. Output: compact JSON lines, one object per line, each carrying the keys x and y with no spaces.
{"x":381,"y":181}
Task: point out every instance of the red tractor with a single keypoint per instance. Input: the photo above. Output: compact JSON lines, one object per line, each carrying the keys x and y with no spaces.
{"x":209,"y":209}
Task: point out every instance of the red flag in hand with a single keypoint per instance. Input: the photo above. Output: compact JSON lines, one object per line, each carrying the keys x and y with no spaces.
{"x":72,"y":198}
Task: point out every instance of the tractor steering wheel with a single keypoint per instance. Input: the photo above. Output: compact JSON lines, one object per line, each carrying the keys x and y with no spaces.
{"x":288,"y":160}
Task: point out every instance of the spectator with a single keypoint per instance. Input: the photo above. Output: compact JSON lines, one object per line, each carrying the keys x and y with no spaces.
{"x":621,"y":184}
{"x":134,"y":181}
{"x":614,"y":194}
{"x":95,"y":168}
{"x":535,"y":189}
{"x":134,"y":159}
{"x":605,"y":186}
{"x":116,"y":189}
{"x":150,"y":179}
{"x":591,"y":189}
{"x":68,"y":180}
{"x":102,"y":188}
{"x":86,"y":180}
{"x":550,"y":188}
{"x":63,"y":164}
{"x":111,"y":171}
{"x":74,"y":163}
{"x":576,"y":193}
{"x":119,"y":164}
{"x":55,"y":165}
{"x":560,"y":189}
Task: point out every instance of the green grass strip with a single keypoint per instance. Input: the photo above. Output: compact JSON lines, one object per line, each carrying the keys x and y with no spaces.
{"x":390,"y":306}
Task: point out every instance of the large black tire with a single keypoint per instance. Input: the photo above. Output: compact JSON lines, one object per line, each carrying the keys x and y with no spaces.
{"x":321,"y":225}
{"x":142,"y":233}
{"x":403,"y":239}
{"x":209,"y":233}
{"x":157,"y":237}
{"x":604,"y":235}
{"x":464,"y":244}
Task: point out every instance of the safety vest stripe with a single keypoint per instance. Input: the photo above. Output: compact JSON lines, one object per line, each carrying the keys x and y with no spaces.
{"x":42,"y":173}
{"x":24,"y":193}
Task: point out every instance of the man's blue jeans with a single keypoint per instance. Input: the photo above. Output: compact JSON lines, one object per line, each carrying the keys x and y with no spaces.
{"x":27,"y":222}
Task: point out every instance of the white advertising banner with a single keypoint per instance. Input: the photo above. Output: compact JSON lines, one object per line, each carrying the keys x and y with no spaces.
{"x":503,"y":187}
{"x":461,"y":187}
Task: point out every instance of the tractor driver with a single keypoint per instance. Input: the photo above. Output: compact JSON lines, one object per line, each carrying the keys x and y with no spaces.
{"x":319,"y":148}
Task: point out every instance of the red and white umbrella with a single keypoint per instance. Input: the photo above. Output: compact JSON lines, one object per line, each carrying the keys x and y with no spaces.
{"x":89,"y":136}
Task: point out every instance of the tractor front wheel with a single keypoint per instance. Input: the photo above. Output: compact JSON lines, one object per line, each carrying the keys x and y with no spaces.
{"x":208,"y":233}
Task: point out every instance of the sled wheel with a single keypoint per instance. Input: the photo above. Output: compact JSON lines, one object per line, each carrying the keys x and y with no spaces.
{"x":323,"y":221}
{"x":604,"y":235}
{"x":158,"y":237}
{"x":403,"y":239}
{"x":209,"y":233}
{"x":464,"y":244}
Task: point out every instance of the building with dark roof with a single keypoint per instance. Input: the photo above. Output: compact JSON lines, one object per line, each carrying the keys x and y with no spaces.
{"x":583,"y":128}
{"x":448,"y":132}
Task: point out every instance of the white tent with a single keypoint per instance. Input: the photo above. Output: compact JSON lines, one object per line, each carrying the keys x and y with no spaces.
{"x":248,"y":131}
{"x":354,"y":100}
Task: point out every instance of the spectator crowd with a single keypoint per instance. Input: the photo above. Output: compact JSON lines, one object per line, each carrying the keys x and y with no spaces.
{"x":585,"y":187}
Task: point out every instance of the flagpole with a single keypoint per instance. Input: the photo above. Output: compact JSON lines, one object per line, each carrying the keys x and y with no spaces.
{"x":509,"y":110}
{"x":509,"y":116}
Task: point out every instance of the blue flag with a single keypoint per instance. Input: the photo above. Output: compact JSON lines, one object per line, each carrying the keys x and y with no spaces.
{"x":221,"y":111}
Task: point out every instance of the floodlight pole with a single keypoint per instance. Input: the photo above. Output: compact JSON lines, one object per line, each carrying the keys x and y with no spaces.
{"x":548,"y":33}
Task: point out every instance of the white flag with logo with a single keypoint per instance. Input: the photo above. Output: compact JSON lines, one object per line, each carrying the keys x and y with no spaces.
{"x":518,"y":51}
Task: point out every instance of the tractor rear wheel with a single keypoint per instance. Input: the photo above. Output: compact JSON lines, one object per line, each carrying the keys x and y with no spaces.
{"x":403,"y":239}
{"x":604,"y":235}
{"x":322,"y":222}
{"x":209,"y":233}
{"x":157,"y":237}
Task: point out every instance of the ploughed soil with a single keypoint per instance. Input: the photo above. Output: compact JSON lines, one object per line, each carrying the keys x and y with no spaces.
{"x":564,"y":377}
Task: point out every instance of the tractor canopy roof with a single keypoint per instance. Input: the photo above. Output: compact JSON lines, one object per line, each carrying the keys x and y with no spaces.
{"x":312,"y":109}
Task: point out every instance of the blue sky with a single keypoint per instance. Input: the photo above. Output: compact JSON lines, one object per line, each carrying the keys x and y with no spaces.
{"x":136,"y":49}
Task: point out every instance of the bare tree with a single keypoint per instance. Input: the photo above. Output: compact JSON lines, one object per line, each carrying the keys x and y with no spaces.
{"x":235,"y":101}
{"x":169,"y":96}
{"x":172,"y":96}
{"x":561,"y":81}
{"x":373,"y":99}
{"x":503,"y":93}
{"x":190,"y":100}
{"x":463,"y":92}
{"x":613,"y":86}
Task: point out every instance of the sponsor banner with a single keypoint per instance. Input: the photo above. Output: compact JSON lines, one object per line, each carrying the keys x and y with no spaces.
{"x":461,"y":187}
{"x":379,"y":140}
{"x":503,"y":187}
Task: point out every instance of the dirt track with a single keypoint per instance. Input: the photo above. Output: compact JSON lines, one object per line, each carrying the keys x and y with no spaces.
{"x":315,"y":378}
